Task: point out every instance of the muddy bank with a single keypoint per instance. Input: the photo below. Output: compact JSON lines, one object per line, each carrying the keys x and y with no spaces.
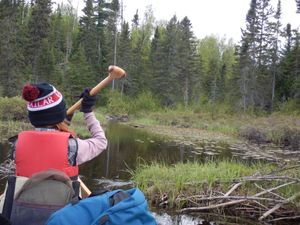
{"x":277,"y":129}
{"x":216,"y":143}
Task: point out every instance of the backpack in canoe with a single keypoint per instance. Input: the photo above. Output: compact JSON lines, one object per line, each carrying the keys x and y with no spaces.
{"x":50,"y":197}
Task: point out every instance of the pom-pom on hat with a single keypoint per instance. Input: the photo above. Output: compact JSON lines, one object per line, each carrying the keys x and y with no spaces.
{"x":45,"y":106}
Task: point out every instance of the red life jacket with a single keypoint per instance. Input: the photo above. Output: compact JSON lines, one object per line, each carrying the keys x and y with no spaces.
{"x":40,"y":150}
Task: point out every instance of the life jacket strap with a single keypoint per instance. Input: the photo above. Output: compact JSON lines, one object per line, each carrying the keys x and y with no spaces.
{"x":9,"y":196}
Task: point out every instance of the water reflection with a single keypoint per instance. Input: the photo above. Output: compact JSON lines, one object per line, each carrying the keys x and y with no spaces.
{"x":126,"y":148}
{"x":166,"y":219}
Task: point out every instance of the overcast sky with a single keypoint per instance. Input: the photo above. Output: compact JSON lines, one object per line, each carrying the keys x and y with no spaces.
{"x":220,"y":17}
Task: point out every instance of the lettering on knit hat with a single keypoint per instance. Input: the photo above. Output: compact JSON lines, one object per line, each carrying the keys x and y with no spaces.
{"x":46,"y":102}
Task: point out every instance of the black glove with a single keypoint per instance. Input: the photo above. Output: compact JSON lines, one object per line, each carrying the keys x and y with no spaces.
{"x":87,"y":101}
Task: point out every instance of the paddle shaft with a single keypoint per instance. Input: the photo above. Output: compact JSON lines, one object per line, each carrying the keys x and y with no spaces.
{"x":93,"y":92}
{"x":85,"y":191}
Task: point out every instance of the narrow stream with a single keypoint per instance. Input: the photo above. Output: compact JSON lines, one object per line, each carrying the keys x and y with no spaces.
{"x":127,"y":146}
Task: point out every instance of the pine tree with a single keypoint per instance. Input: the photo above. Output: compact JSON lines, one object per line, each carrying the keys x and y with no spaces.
{"x":124,"y":52}
{"x":138,"y":72}
{"x":79,"y":75}
{"x":167,"y":84}
{"x":247,"y":54}
{"x":275,"y":28}
{"x":255,"y":58}
{"x":112,"y":34}
{"x":11,"y":51}
{"x":157,"y":60}
{"x":88,"y":36}
{"x":135,"y":21}
{"x":45,"y":65}
{"x":265,"y":44}
{"x":187,"y":58}
{"x":295,"y":72}
{"x":39,"y":28}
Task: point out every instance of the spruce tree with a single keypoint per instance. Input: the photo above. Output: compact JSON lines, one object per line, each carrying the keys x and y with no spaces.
{"x":140,"y":49}
{"x":88,"y":36}
{"x":255,"y":59}
{"x":39,"y":28}
{"x":80,"y":75}
{"x":167,"y":81}
{"x":123,"y":54}
{"x":157,"y":60}
{"x":275,"y":28}
{"x":187,"y":59}
{"x":11,"y":43}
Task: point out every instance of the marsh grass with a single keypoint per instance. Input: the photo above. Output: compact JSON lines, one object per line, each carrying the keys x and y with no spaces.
{"x":194,"y":178}
{"x":190,"y":177}
{"x":11,"y":128}
{"x":277,"y":128}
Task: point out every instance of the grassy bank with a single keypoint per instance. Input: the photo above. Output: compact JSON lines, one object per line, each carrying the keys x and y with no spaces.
{"x":191,"y":178}
{"x":226,"y":187}
{"x":188,"y":125}
{"x":279,"y":129}
{"x":193,"y":123}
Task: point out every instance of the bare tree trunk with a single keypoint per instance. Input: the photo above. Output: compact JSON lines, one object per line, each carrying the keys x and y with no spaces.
{"x":186,"y":92}
{"x":68,"y":47}
{"x":115,"y":58}
{"x":115,"y":50}
{"x":244,"y":88}
{"x":274,"y":65}
{"x":214,"y":96}
{"x":273,"y":90}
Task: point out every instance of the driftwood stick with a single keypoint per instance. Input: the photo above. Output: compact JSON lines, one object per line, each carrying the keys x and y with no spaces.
{"x":239,"y":197}
{"x":197,"y":209}
{"x":233,"y":188}
{"x":264,"y":178}
{"x":277,"y":206}
{"x":272,"y":193}
{"x":285,"y":218}
{"x":261,"y":205}
{"x":284,"y":169}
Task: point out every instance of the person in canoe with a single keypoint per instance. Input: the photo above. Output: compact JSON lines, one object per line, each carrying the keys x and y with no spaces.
{"x":47,"y":157}
{"x":52,"y":144}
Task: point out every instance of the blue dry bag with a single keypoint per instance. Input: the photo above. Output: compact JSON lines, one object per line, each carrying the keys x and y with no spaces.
{"x":119,"y":207}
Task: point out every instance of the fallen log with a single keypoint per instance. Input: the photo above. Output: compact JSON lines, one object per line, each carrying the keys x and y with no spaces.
{"x":276,"y":207}
{"x":197,"y":209}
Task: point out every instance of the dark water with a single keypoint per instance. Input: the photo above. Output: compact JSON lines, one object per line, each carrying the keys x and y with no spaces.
{"x":129,"y":146}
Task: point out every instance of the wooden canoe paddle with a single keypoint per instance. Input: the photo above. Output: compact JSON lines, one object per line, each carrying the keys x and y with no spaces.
{"x":114,"y":72}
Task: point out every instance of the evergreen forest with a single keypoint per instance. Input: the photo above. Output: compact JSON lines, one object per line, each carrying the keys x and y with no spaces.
{"x":42,"y":41}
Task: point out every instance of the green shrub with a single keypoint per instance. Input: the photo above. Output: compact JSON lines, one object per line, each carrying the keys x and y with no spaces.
{"x":145,"y":102}
{"x":290,"y":107}
{"x":118,"y":103}
{"x":121,"y":104}
{"x":286,"y":137}
{"x":13,"y":109}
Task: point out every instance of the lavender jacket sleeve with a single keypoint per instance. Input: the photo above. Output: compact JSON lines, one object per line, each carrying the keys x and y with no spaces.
{"x":90,"y":148}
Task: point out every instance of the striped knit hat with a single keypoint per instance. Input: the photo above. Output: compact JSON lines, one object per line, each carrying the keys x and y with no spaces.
{"x":45,"y":106}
